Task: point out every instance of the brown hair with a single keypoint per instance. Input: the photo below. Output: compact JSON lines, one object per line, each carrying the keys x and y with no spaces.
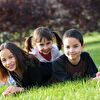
{"x":23,"y":58}
{"x":38,"y":34}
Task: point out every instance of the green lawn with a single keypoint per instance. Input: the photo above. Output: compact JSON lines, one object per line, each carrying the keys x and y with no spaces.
{"x":92,"y":45}
{"x":85,"y":89}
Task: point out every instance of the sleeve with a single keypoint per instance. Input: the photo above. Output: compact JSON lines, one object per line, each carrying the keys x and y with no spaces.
{"x":91,"y":67}
{"x":59,"y":71}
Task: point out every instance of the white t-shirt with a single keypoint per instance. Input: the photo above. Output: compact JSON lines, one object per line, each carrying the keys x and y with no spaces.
{"x":55,"y":53}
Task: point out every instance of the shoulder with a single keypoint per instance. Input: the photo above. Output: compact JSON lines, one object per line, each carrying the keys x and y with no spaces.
{"x":54,"y":47}
{"x":61,"y":59}
{"x":31,"y":61}
{"x":34,"y":51}
{"x":55,"y":50}
{"x":85,"y":54}
{"x":59,"y":64}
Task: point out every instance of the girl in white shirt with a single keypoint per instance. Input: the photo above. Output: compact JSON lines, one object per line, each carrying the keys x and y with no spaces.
{"x":41,"y":44}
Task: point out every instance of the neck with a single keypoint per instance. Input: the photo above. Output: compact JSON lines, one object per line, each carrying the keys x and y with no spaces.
{"x":75,"y":61}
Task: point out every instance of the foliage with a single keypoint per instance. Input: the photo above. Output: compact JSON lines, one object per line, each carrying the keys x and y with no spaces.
{"x":83,"y":14}
{"x":23,"y":15}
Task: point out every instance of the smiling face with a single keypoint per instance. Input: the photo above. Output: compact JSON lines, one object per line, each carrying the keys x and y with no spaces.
{"x":44,"y":46}
{"x":8,"y":60}
{"x":72,"y":49}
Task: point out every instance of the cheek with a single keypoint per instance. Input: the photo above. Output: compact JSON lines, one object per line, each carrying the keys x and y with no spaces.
{"x":65,"y":50}
{"x":14,"y":61}
{"x":5,"y":65}
{"x":38,"y":47}
{"x":49,"y":46}
{"x":80,"y":49}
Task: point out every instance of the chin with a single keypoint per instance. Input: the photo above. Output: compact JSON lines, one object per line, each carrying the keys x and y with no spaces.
{"x":45,"y":53}
{"x":72,"y":58}
{"x":11,"y":70}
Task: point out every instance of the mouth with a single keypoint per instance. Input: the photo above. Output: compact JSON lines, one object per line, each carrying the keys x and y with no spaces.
{"x":72,"y":54}
{"x":11,"y":66}
{"x":46,"y":51}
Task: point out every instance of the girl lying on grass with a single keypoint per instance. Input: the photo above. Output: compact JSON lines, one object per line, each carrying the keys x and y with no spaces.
{"x":25,"y":69}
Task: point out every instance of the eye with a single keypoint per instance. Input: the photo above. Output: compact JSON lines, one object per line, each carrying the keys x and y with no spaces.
{"x":67,"y":47}
{"x":76,"y":46}
{"x":11,"y":56}
{"x":48,"y":43}
{"x":41,"y":44}
{"x":3,"y":60}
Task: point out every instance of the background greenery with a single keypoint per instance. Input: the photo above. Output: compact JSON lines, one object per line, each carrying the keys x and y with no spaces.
{"x":23,"y":15}
{"x":85,"y":89}
{"x":18,"y":18}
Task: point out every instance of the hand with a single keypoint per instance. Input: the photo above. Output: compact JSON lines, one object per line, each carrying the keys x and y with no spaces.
{"x":97,"y":76}
{"x":11,"y":90}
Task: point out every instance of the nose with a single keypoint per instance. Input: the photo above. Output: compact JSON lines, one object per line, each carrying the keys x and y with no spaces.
{"x":45,"y":47}
{"x":8,"y":62}
{"x":71,"y":49}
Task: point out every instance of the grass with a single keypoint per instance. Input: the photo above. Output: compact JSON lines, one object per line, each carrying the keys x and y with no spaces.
{"x":85,"y":89}
{"x":92,"y":45}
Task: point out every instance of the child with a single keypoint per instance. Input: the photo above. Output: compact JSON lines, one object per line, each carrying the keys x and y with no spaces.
{"x":25,"y":69}
{"x":74,"y":63}
{"x":42,"y":41}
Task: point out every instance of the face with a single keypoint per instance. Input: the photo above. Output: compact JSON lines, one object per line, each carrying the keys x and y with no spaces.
{"x":72,"y":49}
{"x":44,"y":46}
{"x":8,"y":60}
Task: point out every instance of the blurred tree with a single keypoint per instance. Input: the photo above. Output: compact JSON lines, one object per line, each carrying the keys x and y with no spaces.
{"x":23,"y":15}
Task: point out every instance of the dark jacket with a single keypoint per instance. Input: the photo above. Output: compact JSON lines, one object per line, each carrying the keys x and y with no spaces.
{"x":33,"y":75}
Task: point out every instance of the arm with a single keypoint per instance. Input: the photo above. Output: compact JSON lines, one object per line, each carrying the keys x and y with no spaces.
{"x":97,"y":76}
{"x":92,"y":69}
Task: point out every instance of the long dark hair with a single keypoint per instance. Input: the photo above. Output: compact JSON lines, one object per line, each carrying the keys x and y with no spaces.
{"x":40,"y":33}
{"x":3,"y":72}
{"x":21,"y":57}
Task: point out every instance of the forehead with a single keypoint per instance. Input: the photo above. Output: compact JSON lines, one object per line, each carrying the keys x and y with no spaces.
{"x":44,"y":40}
{"x":70,"y":41}
{"x":5,"y":52}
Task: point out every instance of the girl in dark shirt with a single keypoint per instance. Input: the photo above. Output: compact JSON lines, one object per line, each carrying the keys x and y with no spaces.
{"x":74,"y":63}
{"x":25,"y":69}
